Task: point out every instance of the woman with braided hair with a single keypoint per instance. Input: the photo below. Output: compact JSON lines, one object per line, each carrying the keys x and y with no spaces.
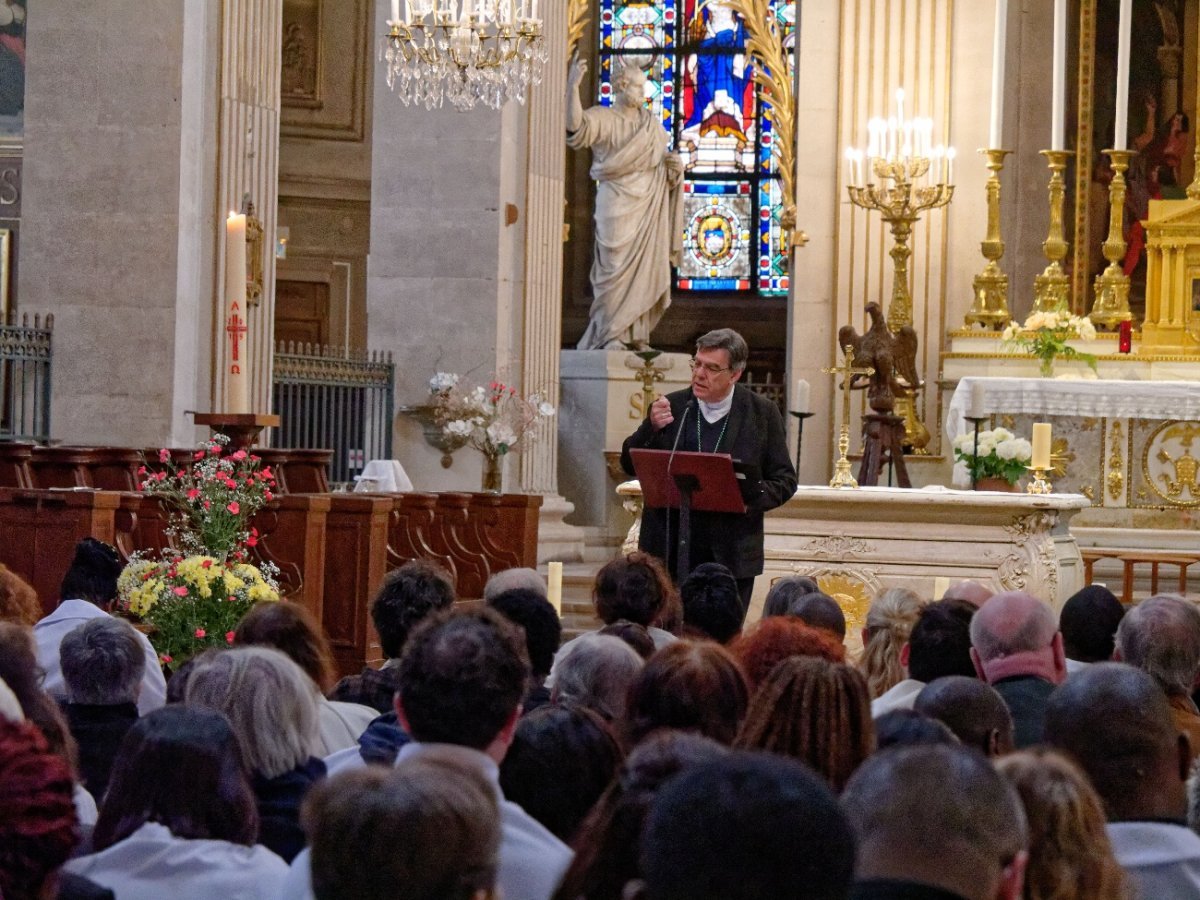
{"x":816,"y":711}
{"x":38,"y":825}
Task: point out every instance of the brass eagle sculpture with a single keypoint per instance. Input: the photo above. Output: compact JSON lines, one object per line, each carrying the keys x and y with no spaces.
{"x":892,"y":356}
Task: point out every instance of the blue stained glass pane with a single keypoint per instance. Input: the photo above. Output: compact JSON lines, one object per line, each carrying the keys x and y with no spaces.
{"x":772,"y":262}
{"x":717,"y":242}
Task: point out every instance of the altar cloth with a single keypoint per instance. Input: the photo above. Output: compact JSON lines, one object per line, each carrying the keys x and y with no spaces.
{"x":1107,"y":398}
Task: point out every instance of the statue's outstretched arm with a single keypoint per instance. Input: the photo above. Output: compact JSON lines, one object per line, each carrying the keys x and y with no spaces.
{"x":574,"y":104}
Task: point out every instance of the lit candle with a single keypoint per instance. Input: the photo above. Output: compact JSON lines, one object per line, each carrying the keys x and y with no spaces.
{"x":950,"y":154}
{"x":976,"y":404}
{"x":1121,"y":137}
{"x":554,"y":586}
{"x":395,"y":12}
{"x":237,"y":350}
{"x":802,"y":401}
{"x":1058,"y":100}
{"x":533,"y":9}
{"x":998,"y":74}
{"x":1041,"y":445}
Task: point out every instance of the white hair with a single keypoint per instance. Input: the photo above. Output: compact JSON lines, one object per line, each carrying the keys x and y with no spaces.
{"x":522,"y":578}
{"x":269,"y":701}
{"x":1161,"y":636}
{"x":595,"y":671}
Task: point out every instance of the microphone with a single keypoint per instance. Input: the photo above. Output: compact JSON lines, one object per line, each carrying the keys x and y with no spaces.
{"x":687,"y":409}
{"x":670,"y":459}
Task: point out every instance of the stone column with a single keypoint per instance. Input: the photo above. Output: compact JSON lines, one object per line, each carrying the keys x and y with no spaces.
{"x":120,"y":221}
{"x":543,"y":287}
{"x":248,"y":165}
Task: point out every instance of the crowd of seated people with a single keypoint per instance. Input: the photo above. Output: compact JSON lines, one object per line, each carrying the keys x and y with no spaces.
{"x":979,"y":747}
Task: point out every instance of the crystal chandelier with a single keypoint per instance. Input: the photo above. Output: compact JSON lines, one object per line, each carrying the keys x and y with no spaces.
{"x":465,"y":51}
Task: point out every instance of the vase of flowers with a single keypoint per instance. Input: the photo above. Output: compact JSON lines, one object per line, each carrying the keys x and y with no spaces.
{"x":192,"y":597}
{"x":492,"y":418}
{"x":998,"y":460}
{"x":1046,"y":335}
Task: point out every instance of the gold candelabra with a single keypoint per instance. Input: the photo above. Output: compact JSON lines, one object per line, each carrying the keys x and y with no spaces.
{"x":1052,"y":287}
{"x":842,"y":477}
{"x":990,"y":307}
{"x":1038,"y":484}
{"x":1111,"y":306}
{"x":901,"y":206}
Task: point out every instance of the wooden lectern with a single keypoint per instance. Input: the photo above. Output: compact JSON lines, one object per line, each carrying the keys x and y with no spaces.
{"x":701,"y":482}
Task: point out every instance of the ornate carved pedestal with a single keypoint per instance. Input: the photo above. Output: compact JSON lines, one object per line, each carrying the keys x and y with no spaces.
{"x":856,"y":543}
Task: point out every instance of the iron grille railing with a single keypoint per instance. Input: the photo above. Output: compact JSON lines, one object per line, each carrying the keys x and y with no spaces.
{"x":25,"y":354}
{"x":766,"y":385}
{"x":333,"y":398}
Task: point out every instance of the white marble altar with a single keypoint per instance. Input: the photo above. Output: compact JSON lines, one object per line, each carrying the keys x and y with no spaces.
{"x":858,"y":542}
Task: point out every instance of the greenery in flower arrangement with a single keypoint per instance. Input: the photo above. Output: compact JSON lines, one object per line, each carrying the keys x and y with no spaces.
{"x":493,"y":418}
{"x":1045,"y":335}
{"x":193,"y":598}
{"x":1000,"y":454}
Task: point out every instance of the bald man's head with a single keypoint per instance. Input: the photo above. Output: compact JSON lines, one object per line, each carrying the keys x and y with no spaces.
{"x":1116,"y":722}
{"x":1014,"y":633}
{"x":971,"y":591}
{"x":971,"y":709}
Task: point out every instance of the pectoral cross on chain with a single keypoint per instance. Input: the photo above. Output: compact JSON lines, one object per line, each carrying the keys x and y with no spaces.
{"x":842,"y":477}
{"x":235,"y":328}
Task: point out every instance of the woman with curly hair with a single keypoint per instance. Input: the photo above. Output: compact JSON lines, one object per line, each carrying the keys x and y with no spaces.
{"x":816,"y":711}
{"x":18,"y":600}
{"x":1070,"y":855}
{"x":889,"y":623}
{"x":773,"y":640}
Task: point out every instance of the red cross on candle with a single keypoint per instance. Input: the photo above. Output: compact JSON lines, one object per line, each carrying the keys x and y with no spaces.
{"x":235,"y":328}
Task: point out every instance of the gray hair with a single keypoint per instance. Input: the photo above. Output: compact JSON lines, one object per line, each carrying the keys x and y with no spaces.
{"x":1161,"y":636}
{"x":1012,"y":622}
{"x":270,"y":702}
{"x":729,"y":340}
{"x":595,"y":671}
{"x":102,"y":662}
{"x":514,"y":579}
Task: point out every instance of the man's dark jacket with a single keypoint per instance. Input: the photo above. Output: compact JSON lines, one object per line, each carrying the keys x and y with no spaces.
{"x":756,"y":440}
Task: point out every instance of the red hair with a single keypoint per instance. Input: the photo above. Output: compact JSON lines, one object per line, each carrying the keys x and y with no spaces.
{"x":777,"y":638}
{"x":38,"y":826}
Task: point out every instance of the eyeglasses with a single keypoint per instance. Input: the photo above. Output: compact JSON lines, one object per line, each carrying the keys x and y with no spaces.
{"x":710,"y":368}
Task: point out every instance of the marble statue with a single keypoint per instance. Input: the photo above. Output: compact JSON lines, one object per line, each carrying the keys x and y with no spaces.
{"x":639,"y":210}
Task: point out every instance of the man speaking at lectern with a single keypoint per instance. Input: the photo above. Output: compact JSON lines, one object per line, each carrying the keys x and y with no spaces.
{"x":718,"y":415}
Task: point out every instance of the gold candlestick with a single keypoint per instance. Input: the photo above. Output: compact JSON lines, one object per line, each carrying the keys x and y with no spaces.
{"x":1052,"y":287}
{"x":990,"y":308}
{"x":1111,"y":306}
{"x":648,"y":373}
{"x":1039,"y":483}
{"x":842,"y":478}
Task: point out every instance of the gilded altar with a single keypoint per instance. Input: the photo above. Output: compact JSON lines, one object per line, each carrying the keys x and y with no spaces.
{"x":1172,"y":323}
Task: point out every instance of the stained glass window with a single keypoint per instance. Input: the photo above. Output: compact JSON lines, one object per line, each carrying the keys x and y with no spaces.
{"x":699,"y":85}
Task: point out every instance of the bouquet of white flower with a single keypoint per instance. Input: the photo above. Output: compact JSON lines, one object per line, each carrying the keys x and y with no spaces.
{"x":493,"y":418}
{"x":1045,"y":335}
{"x":1000,"y":454}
